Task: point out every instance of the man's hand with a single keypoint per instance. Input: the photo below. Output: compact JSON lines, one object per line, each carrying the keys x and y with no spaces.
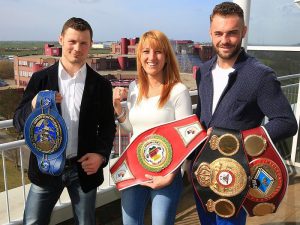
{"x":58,"y":99}
{"x":209,"y":130}
{"x":91,"y":162}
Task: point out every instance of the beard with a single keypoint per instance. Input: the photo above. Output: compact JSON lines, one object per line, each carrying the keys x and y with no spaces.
{"x":229,"y":55}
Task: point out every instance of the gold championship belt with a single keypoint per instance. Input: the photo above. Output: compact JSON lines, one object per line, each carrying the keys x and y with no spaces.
{"x":236,"y":169}
{"x":221,"y":173}
{"x":158,"y":151}
{"x":269,"y":176}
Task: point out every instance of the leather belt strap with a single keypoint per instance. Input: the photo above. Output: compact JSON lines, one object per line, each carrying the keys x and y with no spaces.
{"x":235,"y":169}
{"x":158,"y":151}
{"x":46,"y":134}
{"x":269,"y":175}
{"x":220,"y":173}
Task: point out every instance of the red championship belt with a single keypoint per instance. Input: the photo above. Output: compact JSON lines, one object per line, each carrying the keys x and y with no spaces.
{"x":158,"y":151}
{"x":269,"y":176}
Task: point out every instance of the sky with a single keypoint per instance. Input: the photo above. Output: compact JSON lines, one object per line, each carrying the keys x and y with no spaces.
{"x":272,"y":22}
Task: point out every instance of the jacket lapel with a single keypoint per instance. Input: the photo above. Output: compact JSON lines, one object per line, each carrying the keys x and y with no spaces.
{"x":53,"y":82}
{"x":208,"y":90}
{"x":88,"y":91}
{"x":53,"y":78}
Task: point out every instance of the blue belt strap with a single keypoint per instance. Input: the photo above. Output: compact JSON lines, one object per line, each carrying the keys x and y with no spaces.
{"x":46,"y":134}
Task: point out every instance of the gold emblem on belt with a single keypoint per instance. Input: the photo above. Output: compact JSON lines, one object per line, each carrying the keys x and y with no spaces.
{"x":155,"y":153}
{"x":224,"y":176}
{"x":46,"y":133}
{"x":255,"y":145}
{"x":227,"y":144}
{"x":222,"y":207}
{"x":266,"y":178}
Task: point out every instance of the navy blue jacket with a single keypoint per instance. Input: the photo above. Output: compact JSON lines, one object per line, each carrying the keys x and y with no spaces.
{"x":252,"y":93}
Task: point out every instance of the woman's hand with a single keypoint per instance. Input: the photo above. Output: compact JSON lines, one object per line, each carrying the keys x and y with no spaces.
{"x":119,"y":94}
{"x":158,"y":182}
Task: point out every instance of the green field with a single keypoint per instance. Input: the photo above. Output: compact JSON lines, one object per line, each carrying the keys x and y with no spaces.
{"x":22,"y":48}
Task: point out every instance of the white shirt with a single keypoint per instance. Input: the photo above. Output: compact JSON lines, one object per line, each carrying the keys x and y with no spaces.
{"x":146,"y":114}
{"x":71,"y":89}
{"x":220,"y":80}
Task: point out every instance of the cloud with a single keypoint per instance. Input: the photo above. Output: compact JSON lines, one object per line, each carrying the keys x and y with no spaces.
{"x":274,"y":22}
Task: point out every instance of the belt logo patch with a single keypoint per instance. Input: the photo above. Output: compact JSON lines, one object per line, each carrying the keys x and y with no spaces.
{"x":267,"y":180}
{"x":123,"y":173}
{"x":189,"y":132}
{"x":155,"y":153}
{"x":45,"y":133}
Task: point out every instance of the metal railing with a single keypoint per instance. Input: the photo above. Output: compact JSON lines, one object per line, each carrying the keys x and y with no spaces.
{"x":10,"y":216}
{"x":290,"y":90}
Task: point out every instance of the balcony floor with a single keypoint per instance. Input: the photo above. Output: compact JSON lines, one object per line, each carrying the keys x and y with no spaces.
{"x":287,"y":214}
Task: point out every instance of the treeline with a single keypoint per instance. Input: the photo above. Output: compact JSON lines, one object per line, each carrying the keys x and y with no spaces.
{"x":6,"y":69}
{"x":284,"y":63}
{"x":9,"y":100}
{"x":22,"y":48}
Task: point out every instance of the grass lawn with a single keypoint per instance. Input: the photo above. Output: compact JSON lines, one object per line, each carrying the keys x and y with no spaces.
{"x":13,"y":173}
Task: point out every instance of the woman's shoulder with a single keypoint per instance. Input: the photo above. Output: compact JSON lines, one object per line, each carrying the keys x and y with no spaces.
{"x":133,"y":86}
{"x":179,"y":87}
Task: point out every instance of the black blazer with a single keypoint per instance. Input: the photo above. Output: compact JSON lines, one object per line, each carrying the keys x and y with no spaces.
{"x":96,"y":130}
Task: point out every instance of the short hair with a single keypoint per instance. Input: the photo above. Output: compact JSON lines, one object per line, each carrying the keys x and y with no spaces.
{"x":227,"y":9}
{"x":171,"y":76}
{"x":78,"y":24}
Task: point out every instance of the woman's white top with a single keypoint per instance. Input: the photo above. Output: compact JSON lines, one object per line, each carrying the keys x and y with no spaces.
{"x":146,"y":114}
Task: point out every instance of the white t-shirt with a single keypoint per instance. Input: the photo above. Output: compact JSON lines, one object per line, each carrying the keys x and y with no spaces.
{"x":146,"y":114}
{"x":220,"y":80}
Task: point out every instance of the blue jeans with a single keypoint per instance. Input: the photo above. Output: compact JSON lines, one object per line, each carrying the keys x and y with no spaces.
{"x":41,"y":201}
{"x":164,"y":203}
{"x":208,"y":218}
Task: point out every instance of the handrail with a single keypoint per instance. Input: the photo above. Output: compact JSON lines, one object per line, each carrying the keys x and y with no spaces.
{"x":6,"y":124}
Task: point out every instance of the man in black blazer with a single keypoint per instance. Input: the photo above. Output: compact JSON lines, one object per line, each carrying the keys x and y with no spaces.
{"x":84,"y":99}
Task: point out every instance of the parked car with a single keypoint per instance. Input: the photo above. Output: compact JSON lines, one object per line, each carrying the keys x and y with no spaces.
{"x":3,"y":83}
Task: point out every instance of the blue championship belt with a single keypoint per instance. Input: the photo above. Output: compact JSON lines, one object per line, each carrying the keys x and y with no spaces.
{"x":45,"y":134}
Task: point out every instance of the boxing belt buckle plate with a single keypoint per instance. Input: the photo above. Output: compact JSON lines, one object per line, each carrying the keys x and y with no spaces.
{"x":221,"y":173}
{"x":157,"y":151}
{"x":269,"y":176}
{"x":46,"y":134}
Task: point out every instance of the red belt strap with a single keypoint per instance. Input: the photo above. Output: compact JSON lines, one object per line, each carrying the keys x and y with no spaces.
{"x":269,"y":176}
{"x":158,"y":151}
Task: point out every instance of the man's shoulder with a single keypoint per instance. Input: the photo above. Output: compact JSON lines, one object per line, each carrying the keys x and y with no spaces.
{"x":45,"y":72}
{"x":204,"y":67}
{"x":207,"y":65}
{"x":255,"y":64}
{"x":98,"y":78}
